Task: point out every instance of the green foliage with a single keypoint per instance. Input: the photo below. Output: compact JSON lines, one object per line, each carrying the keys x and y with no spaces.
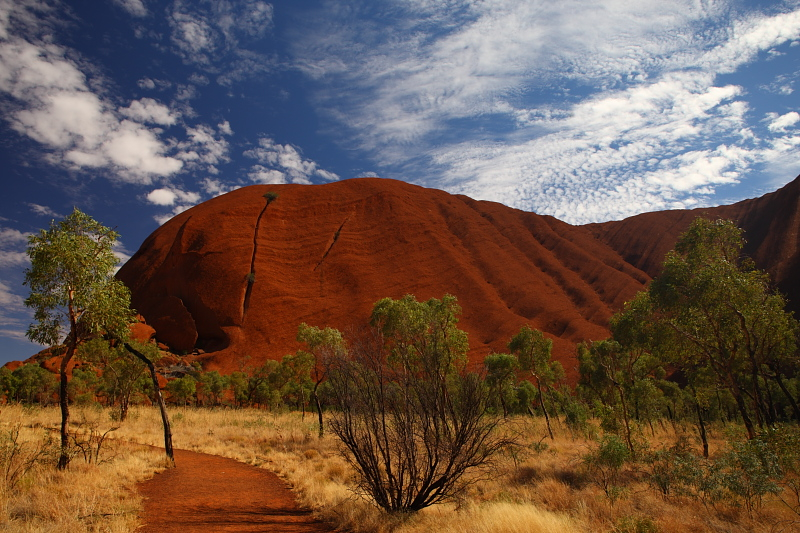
{"x":605,"y":463}
{"x":31,"y":384}
{"x":271,"y":196}
{"x":422,"y":336}
{"x":72,"y":283}
{"x":576,"y":414}
{"x":183,"y":389}
{"x":500,"y":377}
{"x":750,"y":470}
{"x":213,"y":386}
{"x":620,"y":384}
{"x":238,"y":385}
{"x":533,"y":353}
{"x":83,"y":386}
{"x":411,"y":417}
{"x":123,"y":376}
{"x":323,"y":347}
{"x":74,"y":294}
{"x":675,"y":470}
{"x":784,"y":443}
{"x":717,"y":318}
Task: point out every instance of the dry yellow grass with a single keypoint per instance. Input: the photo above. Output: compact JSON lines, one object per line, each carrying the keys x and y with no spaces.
{"x":537,"y":487}
{"x":86,"y":497}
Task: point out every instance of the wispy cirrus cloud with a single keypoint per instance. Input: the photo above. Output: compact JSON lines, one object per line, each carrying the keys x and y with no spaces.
{"x":13,"y":244}
{"x":216,"y":36}
{"x":283,"y":163}
{"x":583,"y":110}
{"x":43,"y":210}
{"x":135,"y":8}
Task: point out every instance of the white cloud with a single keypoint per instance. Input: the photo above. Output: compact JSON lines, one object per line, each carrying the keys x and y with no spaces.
{"x":783,"y":122}
{"x":13,"y":244}
{"x":205,"y":146}
{"x":9,"y":300}
{"x":53,"y":104}
{"x":283,"y":163}
{"x":168,"y":196}
{"x":150,"y":84}
{"x":193,"y":36}
{"x":225,"y":128}
{"x":44,"y":211}
{"x":179,"y":199}
{"x":260,"y":174}
{"x":583,"y":110}
{"x":216,"y":35}
{"x":162,"y":197}
{"x":148,"y":110}
{"x":121,"y":253}
{"x":134,"y":8}
{"x":214,"y":187}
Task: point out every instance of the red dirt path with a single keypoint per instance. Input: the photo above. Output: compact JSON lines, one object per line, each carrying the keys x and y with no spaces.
{"x":207,"y":493}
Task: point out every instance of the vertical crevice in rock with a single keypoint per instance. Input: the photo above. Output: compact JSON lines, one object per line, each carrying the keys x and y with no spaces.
{"x":250,"y":277}
{"x":330,"y":246}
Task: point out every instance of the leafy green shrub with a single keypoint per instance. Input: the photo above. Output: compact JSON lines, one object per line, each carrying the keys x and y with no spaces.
{"x":271,"y":196}
{"x":605,"y":463}
{"x":675,"y":470}
{"x":183,"y":389}
{"x":784,"y":441}
{"x":749,"y":470}
{"x":576,"y":415}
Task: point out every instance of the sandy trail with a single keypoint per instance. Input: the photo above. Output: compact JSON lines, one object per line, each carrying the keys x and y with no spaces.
{"x":207,"y":493}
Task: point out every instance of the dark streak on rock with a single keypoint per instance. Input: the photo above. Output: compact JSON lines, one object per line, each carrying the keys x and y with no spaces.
{"x":250,"y":276}
{"x":335,"y":238}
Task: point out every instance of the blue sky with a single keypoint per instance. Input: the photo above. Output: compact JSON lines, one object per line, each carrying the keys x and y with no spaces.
{"x":135,"y":110}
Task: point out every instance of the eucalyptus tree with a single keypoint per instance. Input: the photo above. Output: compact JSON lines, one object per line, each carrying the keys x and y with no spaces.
{"x":325,"y":346}
{"x":74,"y":294}
{"x":722,"y":316}
{"x":501,"y":371}
{"x":123,"y":376}
{"x":533,"y":351}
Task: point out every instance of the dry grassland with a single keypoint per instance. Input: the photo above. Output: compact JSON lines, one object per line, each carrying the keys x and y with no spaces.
{"x":89,"y":497}
{"x":540,"y":486}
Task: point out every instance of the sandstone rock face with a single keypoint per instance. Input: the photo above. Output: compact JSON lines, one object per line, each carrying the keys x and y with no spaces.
{"x":235,"y":276}
{"x":771,"y":227}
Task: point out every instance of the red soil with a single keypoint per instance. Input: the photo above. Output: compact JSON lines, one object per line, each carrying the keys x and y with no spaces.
{"x":209,"y":493}
{"x":324,"y":254}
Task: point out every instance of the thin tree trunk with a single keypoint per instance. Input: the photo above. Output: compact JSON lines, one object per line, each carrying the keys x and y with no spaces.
{"x":544,"y":409}
{"x":503,"y":404}
{"x":701,"y":424}
{"x":123,"y":409}
{"x":791,"y":399}
{"x":748,"y":423}
{"x":319,"y":415}
{"x":160,"y":399}
{"x":63,"y":459}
